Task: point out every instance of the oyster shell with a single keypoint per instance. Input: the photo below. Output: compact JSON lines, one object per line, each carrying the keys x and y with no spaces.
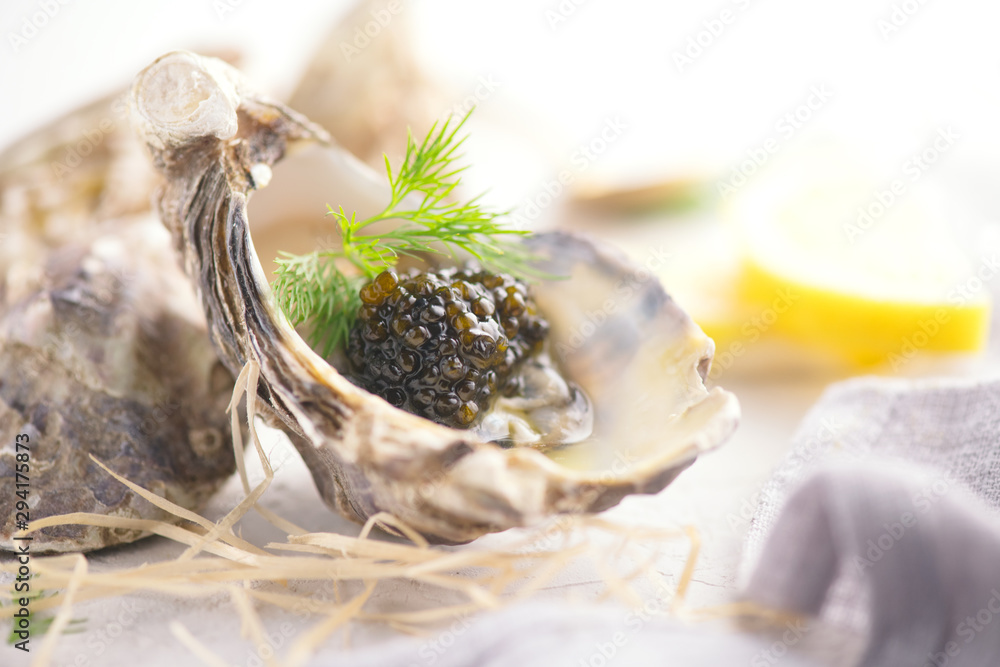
{"x":215,"y":140}
{"x":103,"y":349}
{"x":367,"y":100}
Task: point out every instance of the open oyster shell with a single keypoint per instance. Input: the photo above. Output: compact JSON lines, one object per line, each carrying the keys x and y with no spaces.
{"x":641,"y":359}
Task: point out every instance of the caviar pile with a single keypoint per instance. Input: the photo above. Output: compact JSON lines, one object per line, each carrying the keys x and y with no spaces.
{"x":443,"y":345}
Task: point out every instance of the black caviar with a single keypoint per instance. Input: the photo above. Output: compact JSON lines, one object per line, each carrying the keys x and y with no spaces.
{"x":442,"y":345}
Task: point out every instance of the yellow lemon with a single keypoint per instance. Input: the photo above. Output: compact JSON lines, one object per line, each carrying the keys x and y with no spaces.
{"x":861,"y":270}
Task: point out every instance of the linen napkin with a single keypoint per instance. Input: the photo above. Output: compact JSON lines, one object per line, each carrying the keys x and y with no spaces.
{"x":883,"y":518}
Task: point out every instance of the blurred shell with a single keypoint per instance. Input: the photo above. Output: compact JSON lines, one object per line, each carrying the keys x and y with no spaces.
{"x":366,"y":90}
{"x":103,"y":349}
{"x":643,"y":361}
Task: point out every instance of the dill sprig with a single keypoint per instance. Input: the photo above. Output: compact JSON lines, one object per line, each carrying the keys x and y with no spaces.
{"x":312,"y":289}
{"x":38,"y":623}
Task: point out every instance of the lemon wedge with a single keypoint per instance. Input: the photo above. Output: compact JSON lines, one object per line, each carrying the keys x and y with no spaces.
{"x":850,"y":267}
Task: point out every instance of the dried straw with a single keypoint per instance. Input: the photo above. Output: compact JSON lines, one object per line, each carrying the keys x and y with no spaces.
{"x":218,"y":561}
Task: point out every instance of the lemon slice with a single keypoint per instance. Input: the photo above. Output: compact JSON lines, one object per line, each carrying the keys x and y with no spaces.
{"x":821,"y":267}
{"x":860,"y":269}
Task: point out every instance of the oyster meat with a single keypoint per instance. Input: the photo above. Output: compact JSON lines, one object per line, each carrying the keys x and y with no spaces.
{"x":614,"y":332}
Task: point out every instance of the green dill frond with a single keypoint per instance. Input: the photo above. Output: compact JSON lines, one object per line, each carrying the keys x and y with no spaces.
{"x":38,"y":624}
{"x":312,"y":289}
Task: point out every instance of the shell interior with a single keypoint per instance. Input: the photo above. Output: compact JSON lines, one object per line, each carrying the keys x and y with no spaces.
{"x":614,"y":330}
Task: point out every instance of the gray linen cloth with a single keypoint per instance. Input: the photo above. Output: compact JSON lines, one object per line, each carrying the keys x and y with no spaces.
{"x":883,"y":518}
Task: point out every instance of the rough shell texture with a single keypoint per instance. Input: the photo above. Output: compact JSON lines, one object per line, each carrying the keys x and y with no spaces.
{"x":365,"y":455}
{"x":103,"y":349}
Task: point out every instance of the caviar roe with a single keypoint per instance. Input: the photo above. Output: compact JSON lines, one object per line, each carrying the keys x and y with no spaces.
{"x":443,"y":345}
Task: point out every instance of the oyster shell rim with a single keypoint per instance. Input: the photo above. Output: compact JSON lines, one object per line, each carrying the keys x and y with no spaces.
{"x":360,"y":433}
